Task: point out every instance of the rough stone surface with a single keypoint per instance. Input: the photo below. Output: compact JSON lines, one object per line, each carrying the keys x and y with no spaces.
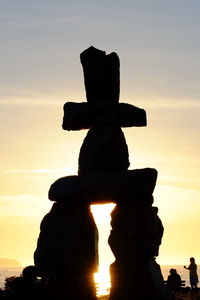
{"x":85,"y":115}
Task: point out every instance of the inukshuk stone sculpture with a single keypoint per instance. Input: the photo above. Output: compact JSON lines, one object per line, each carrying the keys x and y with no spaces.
{"x":67,"y":245}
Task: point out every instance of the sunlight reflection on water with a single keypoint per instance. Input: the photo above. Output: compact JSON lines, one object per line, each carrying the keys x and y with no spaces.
{"x":102,"y":281}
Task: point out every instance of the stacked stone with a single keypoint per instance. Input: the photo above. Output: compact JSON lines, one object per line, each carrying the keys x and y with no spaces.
{"x":67,"y":245}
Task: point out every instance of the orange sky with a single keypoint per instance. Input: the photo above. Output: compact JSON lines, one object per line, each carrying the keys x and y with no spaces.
{"x":160,"y":65}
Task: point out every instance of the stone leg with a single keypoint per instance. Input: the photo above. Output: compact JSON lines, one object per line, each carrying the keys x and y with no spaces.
{"x":67,"y":253}
{"x":135,"y":238}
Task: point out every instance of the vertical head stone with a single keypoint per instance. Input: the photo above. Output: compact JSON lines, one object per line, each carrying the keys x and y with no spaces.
{"x":101,"y":75}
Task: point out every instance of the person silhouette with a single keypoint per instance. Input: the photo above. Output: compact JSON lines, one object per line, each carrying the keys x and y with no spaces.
{"x":174,"y":281}
{"x":193,"y":273}
{"x":26,"y":286}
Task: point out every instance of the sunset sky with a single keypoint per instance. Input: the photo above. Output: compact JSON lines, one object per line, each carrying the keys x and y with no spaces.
{"x":159,"y":48}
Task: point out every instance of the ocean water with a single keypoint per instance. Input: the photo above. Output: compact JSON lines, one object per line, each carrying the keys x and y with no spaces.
{"x":8,"y":272}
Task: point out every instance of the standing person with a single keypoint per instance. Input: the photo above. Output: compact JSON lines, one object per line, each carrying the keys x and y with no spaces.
{"x":193,"y":273}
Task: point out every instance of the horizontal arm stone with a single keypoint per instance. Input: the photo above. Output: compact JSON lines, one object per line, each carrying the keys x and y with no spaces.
{"x":105,"y":187}
{"x":86,"y":115}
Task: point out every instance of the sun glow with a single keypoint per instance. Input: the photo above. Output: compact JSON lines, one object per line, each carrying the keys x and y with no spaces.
{"x":101,"y":212}
{"x":102,"y":280}
{"x":101,"y":215}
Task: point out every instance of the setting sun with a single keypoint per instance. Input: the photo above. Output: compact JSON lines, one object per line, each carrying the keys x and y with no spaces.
{"x":102,"y":218}
{"x":102,"y":280}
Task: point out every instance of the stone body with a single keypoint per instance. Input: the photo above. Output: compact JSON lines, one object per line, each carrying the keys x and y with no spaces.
{"x":104,"y":149}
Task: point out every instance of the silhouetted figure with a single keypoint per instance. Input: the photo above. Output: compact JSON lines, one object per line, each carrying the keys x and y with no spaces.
{"x":26,"y":286}
{"x":67,"y":248}
{"x":193,"y":273}
{"x":174,"y":281}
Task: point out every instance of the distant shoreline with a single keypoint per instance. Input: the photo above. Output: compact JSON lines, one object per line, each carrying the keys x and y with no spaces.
{"x":9,"y":263}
